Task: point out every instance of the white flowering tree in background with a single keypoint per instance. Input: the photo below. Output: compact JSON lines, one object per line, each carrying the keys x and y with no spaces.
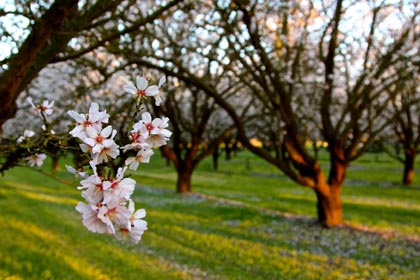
{"x":197,"y":131}
{"x":313,"y":75}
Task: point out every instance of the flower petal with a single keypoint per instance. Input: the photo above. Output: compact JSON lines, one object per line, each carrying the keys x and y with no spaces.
{"x":152,"y":91}
{"x":106,"y":131}
{"x":94,"y":108}
{"x":130,"y":88}
{"x":141,"y":83}
{"x":162,"y":80}
{"x":146,"y":117}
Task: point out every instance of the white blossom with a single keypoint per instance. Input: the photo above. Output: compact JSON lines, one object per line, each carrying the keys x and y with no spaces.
{"x":94,"y":119}
{"x":78,"y":173}
{"x":142,"y":88}
{"x":36,"y":160}
{"x":26,"y":135}
{"x":46,"y":107}
{"x":143,"y":156}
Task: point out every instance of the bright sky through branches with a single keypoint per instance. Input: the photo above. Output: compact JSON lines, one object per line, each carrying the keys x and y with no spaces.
{"x":14,"y":28}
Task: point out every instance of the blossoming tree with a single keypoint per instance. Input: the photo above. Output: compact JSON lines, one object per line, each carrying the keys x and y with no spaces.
{"x":197,"y":131}
{"x":404,"y":132}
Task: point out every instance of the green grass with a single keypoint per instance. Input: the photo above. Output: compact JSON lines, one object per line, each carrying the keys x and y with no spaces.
{"x":372,"y":194}
{"x":234,"y":227}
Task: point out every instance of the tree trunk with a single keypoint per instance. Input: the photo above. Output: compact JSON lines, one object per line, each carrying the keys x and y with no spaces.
{"x":216,"y":158}
{"x":410,"y":158}
{"x":228,"y":149}
{"x":235,"y":146}
{"x":330,"y":211}
{"x":183,"y":184}
{"x":55,"y":164}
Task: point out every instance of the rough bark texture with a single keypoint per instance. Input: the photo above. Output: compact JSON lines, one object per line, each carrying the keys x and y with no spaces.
{"x":410,"y":158}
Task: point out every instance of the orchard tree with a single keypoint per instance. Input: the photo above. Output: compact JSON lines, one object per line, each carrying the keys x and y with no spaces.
{"x":38,"y":33}
{"x":319,"y":70}
{"x":404,"y":132}
{"x":197,"y":131}
{"x":197,"y":126}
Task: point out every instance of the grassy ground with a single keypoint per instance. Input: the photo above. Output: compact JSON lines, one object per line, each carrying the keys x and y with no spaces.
{"x":246,"y":221}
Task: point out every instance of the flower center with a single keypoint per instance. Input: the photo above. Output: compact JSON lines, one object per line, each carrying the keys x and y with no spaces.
{"x":114,"y":184}
{"x":139,"y":157}
{"x":141,"y":93}
{"x":134,"y":137}
{"x":111,"y":212}
{"x":99,"y":139}
{"x":87,"y":123}
{"x":41,"y":108}
{"x":149,"y":126}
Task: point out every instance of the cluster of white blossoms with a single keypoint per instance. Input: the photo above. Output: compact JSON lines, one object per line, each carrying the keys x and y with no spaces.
{"x":146,"y":135}
{"x":95,"y":140}
{"x":109,"y":207}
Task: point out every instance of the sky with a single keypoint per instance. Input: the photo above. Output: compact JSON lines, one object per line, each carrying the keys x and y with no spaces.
{"x":16,"y":25}
{"x":8,"y":23}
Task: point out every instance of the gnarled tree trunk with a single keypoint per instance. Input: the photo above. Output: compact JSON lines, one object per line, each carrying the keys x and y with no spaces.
{"x":329,"y":207}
